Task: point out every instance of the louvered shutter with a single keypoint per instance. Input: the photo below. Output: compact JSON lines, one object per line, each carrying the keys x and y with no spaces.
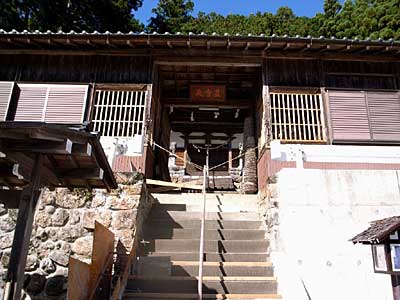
{"x":349,"y":115}
{"x":31,"y":102}
{"x":384,"y":111}
{"x":66,"y":104}
{"x":6,"y":89}
{"x":51,"y":103}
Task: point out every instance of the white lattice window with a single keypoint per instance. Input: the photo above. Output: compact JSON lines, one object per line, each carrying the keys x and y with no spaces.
{"x":119,"y":113}
{"x":297,"y":117}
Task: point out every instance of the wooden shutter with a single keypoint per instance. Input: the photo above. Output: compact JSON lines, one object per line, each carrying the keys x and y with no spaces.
{"x":6,"y":89}
{"x":349,"y":115}
{"x":384,"y":111}
{"x":66,"y":104}
{"x":31,"y":102}
{"x":51,"y":103}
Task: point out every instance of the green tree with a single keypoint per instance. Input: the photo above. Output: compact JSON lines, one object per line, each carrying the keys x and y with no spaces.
{"x":66,"y":15}
{"x":171,"y":16}
{"x":329,"y":20}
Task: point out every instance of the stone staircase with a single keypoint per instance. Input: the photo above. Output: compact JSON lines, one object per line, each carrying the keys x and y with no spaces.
{"x":236,"y":262}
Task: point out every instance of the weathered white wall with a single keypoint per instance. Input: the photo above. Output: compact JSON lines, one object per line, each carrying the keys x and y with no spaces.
{"x":318,"y":212}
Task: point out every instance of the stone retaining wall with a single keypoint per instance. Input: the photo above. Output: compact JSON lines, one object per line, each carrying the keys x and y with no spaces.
{"x":64,"y":224}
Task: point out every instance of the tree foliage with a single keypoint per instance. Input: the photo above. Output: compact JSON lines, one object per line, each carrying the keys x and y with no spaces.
{"x":66,"y":15}
{"x":171,"y":15}
{"x":354,"y":18}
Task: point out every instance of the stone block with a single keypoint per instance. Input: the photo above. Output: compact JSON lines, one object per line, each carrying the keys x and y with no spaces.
{"x":70,"y":233}
{"x":60,"y":217}
{"x":3,"y":210}
{"x":99,"y":199}
{"x":91,"y":215}
{"x":124,"y":219}
{"x":74,"y":216}
{"x":67,"y":199}
{"x":32,"y":262}
{"x":125,"y":236}
{"x":6,"y":240}
{"x":47,"y":266}
{"x":60,"y":257}
{"x":119,"y":202}
{"x":43,"y":219}
{"x":83,"y":246}
{"x":7,"y":224}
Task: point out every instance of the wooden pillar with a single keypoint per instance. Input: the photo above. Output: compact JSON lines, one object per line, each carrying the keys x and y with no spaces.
{"x":185,"y":153}
{"x":249,"y":182}
{"x":230,"y":153}
{"x":396,"y":286}
{"x":22,"y":234}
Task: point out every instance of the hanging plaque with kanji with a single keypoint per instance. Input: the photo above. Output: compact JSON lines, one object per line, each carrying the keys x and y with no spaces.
{"x":208,"y":92}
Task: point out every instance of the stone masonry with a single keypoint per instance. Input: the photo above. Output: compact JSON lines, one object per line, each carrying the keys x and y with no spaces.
{"x":64,"y":224}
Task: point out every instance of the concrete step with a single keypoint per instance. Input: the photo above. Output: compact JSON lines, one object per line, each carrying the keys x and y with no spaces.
{"x":243,"y":269}
{"x":183,"y":215}
{"x":210,"y":207}
{"x":211,"y":284}
{"x":218,"y":246}
{"x":210,"y":224}
{"x":196,"y":198}
{"x":213,"y":257}
{"x":182,"y":296}
{"x":210,"y":234}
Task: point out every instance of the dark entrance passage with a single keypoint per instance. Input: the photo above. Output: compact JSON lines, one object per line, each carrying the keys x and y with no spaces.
{"x":205,"y":107}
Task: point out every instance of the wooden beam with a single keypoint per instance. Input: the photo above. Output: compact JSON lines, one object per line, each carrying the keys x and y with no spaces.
{"x":10,"y":198}
{"x":82,"y":149}
{"x":172,"y":184}
{"x":84,"y":174}
{"x":23,"y":230}
{"x":51,"y":147}
{"x":26,"y":164}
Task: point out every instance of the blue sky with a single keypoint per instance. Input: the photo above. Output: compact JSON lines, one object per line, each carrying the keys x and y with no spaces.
{"x":300,"y":7}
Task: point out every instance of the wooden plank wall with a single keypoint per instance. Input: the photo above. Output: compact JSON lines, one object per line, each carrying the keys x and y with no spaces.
{"x":331,"y":74}
{"x":75,"y":68}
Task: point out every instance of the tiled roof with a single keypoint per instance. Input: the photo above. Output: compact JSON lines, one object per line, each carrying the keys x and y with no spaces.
{"x":178,"y":34}
{"x":108,"y":41}
{"x":378,"y":231}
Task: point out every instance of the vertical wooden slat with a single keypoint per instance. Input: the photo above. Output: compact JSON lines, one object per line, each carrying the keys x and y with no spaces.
{"x":283,"y":108}
{"x":135,"y":108}
{"x":310,"y":98}
{"x":298,"y":117}
{"x":289,"y":125}
{"x":293,"y":110}
{"x":317,"y":116}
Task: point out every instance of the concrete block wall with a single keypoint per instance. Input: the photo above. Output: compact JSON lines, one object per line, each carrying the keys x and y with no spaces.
{"x":310,"y":216}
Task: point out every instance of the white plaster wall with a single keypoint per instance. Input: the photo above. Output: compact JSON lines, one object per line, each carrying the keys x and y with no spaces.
{"x":319,"y":211}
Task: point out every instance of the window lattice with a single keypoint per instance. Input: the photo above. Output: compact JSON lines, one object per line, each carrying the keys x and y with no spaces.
{"x":297,"y":117}
{"x":119,"y":113}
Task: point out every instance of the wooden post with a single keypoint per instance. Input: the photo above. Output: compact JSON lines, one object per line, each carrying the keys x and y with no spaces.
{"x":396,"y":286}
{"x":230,"y":153}
{"x":186,"y":152}
{"x":22,"y":234}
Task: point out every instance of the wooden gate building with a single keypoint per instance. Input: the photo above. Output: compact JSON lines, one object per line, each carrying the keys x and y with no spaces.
{"x":229,"y":93}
